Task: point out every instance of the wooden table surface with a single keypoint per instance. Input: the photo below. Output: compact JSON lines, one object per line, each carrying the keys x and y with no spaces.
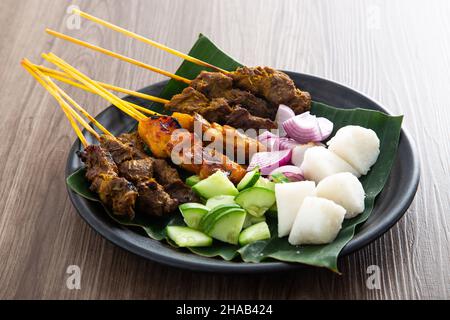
{"x":397,"y":52}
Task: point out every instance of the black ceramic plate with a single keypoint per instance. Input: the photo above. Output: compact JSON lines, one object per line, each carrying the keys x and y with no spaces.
{"x":390,"y":205}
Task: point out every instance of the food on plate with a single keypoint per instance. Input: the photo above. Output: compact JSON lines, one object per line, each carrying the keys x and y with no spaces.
{"x":320,"y":162}
{"x":298,"y":152}
{"x":292,"y":173}
{"x":216,"y":184}
{"x":223,"y":200}
{"x":249,"y":179}
{"x":268,"y":161}
{"x":306,"y":127}
{"x":275,"y":86}
{"x":289,"y":197}
{"x":256,"y":200}
{"x":358,"y":146}
{"x":318,"y":222}
{"x":193,"y":213}
{"x":256,"y":232}
{"x":344,"y":189}
{"x":187,"y":237}
{"x":216,"y":201}
{"x":283,"y":113}
{"x":115,"y":192}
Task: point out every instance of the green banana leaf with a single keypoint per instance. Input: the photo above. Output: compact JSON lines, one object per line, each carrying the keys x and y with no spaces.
{"x":387,"y":128}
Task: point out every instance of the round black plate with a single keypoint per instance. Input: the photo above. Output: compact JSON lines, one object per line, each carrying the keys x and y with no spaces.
{"x":390,"y":205}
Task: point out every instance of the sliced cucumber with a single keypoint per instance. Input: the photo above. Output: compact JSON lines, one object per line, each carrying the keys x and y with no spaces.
{"x":251,"y":220}
{"x":193,"y":213}
{"x":192,"y":180}
{"x":265,"y":183}
{"x":256,"y":200}
{"x":249,"y":179}
{"x":219,"y":200}
{"x":187,"y":237}
{"x":227,"y":226}
{"x":215,"y":212}
{"x":259,"y":231}
{"x":215,"y":185}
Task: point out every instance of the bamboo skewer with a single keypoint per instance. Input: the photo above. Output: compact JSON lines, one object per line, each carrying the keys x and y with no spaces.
{"x":117,"y":55}
{"x":68,"y":98}
{"x":70,"y":113}
{"x":147,"y":41}
{"x":94,"y":86}
{"x":63,"y":77}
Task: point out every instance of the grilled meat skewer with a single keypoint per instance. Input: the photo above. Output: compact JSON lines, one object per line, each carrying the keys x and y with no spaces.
{"x":115,"y":192}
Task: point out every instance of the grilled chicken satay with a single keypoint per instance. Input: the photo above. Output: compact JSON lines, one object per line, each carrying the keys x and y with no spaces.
{"x":164,"y":139}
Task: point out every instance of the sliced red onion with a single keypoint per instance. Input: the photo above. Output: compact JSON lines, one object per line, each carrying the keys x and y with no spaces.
{"x":326,"y":127}
{"x":287,"y":143}
{"x":284,"y":113}
{"x":268,"y":161}
{"x":293,"y":173}
{"x":306,"y":128}
{"x":266,"y":135}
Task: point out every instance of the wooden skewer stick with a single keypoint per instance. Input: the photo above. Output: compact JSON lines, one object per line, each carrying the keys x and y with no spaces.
{"x":63,"y":77}
{"x":117,"y":55}
{"x":63,"y":104}
{"x":119,"y":103}
{"x":68,"y":98}
{"x":147,"y":41}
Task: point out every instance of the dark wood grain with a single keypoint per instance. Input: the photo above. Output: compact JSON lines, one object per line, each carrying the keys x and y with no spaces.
{"x":394,"y":51}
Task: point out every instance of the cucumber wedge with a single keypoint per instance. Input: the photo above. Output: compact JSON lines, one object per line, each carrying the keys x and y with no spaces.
{"x":259,"y":231}
{"x":227,"y":226}
{"x":256,"y":200}
{"x":193,"y":213}
{"x":265,"y":183}
{"x":219,"y":200}
{"x":249,"y":179}
{"x":207,"y":218}
{"x":192,"y":180}
{"x":251,"y":220}
{"x":215,"y":185}
{"x":187,"y":237}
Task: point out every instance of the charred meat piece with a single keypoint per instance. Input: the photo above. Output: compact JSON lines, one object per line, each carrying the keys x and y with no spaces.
{"x":132,"y":140}
{"x":218,"y":110}
{"x":120,"y":151}
{"x":188,"y":101}
{"x":181,"y":192}
{"x":168,"y":176}
{"x":275,"y":86}
{"x":218,"y":85}
{"x":153,"y":199}
{"x":137,"y":170}
{"x":115,"y":192}
{"x":242,"y":119}
{"x":164,"y":172}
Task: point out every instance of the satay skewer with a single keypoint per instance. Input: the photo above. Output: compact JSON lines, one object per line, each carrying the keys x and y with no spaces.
{"x":147,"y":41}
{"x":71,"y":114}
{"x":116,"y":55}
{"x":63,"y":77}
